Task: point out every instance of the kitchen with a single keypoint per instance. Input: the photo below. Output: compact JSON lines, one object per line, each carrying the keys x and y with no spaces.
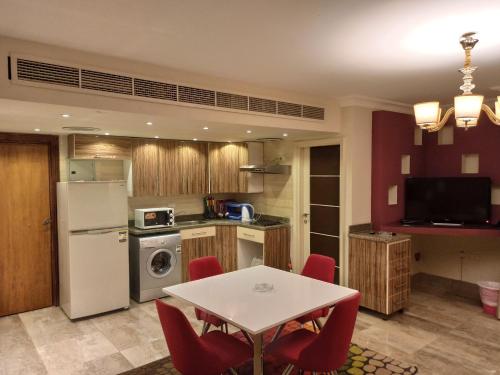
{"x":182,"y":204}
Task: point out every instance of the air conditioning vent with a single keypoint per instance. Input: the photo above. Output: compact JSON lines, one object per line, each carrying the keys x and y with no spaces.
{"x":289,"y":109}
{"x":262,"y":105}
{"x":232,"y":101}
{"x":196,"y":96}
{"x":315,"y":113}
{"x":52,"y":74}
{"x":155,"y":90}
{"x":107,"y":82}
{"x":28,"y":71}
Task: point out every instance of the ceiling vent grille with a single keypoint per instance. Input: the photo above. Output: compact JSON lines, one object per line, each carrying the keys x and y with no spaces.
{"x":262,"y":105}
{"x":29,"y":71}
{"x":53,"y":74}
{"x":289,"y":109}
{"x":155,"y":90}
{"x":315,"y":113}
{"x":107,"y":82}
{"x":232,"y":101}
{"x":196,"y":96}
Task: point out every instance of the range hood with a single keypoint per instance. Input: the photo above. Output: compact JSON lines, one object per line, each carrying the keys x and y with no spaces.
{"x":269,"y":169}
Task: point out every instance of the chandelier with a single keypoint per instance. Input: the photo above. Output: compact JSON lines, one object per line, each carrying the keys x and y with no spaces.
{"x":467,"y":106}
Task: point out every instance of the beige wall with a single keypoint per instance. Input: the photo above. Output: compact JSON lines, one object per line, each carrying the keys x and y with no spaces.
{"x":461,"y":258}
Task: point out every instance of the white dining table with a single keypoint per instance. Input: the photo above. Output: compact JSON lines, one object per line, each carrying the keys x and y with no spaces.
{"x":233,"y":298}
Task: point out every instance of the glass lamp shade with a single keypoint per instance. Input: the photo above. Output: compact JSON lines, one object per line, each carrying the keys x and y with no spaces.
{"x":468,"y":108}
{"x":427,"y":114}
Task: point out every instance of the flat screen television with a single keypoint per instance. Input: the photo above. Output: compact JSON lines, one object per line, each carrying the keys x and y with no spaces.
{"x":460,"y":200}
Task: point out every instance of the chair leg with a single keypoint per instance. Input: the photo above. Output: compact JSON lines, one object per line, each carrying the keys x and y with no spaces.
{"x":247,"y":336}
{"x":315,"y":328}
{"x":318,"y":323}
{"x":278,"y":332}
{"x":288,"y":369}
{"x":206,"y":327}
{"x":233,"y":371}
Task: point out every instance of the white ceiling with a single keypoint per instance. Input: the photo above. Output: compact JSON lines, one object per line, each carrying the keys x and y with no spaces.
{"x":398,"y":50}
{"x":25,"y":117}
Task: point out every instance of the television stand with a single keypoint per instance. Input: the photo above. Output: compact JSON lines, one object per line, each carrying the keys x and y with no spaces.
{"x":447,"y":224}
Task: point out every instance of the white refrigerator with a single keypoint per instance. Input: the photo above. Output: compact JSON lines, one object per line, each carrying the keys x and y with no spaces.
{"x":93,"y":247}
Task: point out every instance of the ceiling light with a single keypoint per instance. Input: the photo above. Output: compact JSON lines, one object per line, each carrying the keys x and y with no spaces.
{"x":149,"y":123}
{"x":229,"y":141}
{"x":106,"y":133}
{"x":467,"y":107}
{"x":195,"y":139}
{"x":37,"y":130}
{"x":285,"y":134}
{"x":157,"y":136}
{"x":65,"y":115}
{"x":205,"y":128}
{"x":249,"y":132}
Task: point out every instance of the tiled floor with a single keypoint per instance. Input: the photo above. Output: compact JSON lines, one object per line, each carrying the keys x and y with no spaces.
{"x":440,"y":334}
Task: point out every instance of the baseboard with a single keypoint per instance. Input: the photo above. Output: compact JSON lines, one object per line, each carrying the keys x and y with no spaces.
{"x":441,"y":285}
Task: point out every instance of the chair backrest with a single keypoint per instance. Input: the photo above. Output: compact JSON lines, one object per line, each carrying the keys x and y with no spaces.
{"x":188,"y":354}
{"x":200,"y":268}
{"x":320,"y":267}
{"x":329,"y":349}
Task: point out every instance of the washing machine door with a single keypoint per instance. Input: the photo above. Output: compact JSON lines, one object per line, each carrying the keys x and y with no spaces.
{"x":161,"y":262}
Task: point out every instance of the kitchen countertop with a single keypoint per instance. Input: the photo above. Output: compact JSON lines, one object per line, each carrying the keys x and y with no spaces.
{"x":206,"y":223}
{"x":385,"y":237}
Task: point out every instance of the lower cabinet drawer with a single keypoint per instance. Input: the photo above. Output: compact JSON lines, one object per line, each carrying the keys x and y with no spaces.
{"x":187,"y":234}
{"x":250,"y":234}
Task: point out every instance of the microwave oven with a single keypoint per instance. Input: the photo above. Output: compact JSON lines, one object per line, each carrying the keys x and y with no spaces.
{"x":146,"y":218}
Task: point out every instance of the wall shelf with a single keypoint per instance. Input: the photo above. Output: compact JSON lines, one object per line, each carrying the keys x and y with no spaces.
{"x":442,"y":231}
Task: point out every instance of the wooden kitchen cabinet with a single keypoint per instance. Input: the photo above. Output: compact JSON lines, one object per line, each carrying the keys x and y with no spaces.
{"x":85,"y":146}
{"x":194,"y":167}
{"x":226,"y":247}
{"x":145,"y":167}
{"x":380,"y":270}
{"x":277,"y":248}
{"x":196,"y":243}
{"x":225,"y":160}
{"x":169,"y":168}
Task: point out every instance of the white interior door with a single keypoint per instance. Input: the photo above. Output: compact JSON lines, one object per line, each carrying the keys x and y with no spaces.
{"x":306,"y":204}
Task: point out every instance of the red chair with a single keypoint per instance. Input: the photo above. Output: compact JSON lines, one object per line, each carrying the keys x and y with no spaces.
{"x":325,"y":351}
{"x":199,"y":269}
{"x":210,"y":354}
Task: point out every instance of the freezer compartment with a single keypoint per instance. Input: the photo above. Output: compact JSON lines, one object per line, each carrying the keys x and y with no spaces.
{"x":92,"y":205}
{"x":98,"y":272}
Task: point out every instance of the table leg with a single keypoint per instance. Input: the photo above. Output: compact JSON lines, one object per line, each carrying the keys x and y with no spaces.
{"x":257,"y":355}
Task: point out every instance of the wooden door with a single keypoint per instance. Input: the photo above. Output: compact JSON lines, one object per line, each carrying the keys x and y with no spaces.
{"x":324,"y":202}
{"x":25,"y":228}
{"x":145,"y":167}
{"x":225,"y":160}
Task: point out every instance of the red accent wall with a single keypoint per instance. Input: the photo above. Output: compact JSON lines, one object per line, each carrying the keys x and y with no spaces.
{"x":393,"y":136}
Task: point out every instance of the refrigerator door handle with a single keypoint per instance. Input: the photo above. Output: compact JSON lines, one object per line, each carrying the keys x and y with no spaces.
{"x":99,"y":231}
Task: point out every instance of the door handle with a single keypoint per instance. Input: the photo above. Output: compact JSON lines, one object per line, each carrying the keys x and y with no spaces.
{"x":47,"y":221}
{"x":305,"y":215}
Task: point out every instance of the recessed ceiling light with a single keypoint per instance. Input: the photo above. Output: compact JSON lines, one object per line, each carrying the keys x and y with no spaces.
{"x":229,"y":141}
{"x":249,"y":132}
{"x":65,"y":115}
{"x":157,"y":136}
{"x":37,"y":130}
{"x":285,"y":134}
{"x":205,"y":128}
{"x":106,"y":133}
{"x":195,"y":139}
{"x":149,"y":123}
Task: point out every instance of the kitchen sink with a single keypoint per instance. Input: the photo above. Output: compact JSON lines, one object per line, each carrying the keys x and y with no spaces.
{"x":190,"y":222}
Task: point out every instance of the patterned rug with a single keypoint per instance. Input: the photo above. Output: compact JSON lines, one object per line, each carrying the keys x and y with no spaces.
{"x":361,"y":361}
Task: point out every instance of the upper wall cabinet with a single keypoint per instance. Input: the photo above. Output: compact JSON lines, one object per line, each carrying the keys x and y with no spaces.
{"x":145,"y":167}
{"x":84,"y":146}
{"x":225,"y":160}
{"x":182,"y":167}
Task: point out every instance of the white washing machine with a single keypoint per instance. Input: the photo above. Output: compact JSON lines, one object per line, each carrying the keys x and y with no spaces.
{"x":155,"y":262}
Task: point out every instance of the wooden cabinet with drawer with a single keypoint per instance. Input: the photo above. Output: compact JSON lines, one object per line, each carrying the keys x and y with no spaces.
{"x":196,"y":243}
{"x":380,"y":270}
{"x":85,"y":146}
